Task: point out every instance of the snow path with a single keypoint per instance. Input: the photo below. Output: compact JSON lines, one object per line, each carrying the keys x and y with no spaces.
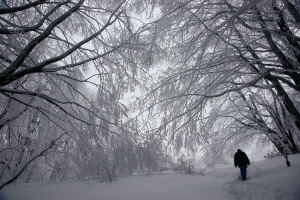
{"x":267,"y":180}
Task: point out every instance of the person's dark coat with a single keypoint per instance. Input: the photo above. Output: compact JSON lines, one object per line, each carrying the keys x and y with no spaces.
{"x":240,"y":158}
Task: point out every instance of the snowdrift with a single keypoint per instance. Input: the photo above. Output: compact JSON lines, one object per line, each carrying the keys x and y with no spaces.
{"x":270,"y":179}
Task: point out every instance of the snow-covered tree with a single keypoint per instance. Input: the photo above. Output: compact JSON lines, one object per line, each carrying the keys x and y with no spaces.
{"x":50,"y":53}
{"x":215,"y":51}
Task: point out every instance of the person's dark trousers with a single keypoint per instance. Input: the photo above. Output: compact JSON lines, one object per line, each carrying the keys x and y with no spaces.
{"x":243,"y":169}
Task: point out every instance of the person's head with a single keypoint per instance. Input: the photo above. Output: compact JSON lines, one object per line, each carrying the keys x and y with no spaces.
{"x":239,"y":150}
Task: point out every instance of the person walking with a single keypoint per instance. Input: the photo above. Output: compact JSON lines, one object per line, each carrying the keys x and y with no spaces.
{"x":242,"y":161}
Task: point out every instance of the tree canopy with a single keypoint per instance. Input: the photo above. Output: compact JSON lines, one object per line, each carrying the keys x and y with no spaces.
{"x":52,"y":106}
{"x":208,"y":75}
{"x":232,"y":70}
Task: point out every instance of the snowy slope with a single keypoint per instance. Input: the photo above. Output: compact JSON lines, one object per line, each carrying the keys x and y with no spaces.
{"x":267,"y":180}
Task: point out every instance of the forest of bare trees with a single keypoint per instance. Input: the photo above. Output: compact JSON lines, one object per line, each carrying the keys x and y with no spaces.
{"x":231,"y":72}
{"x":207,"y":76}
{"x":55,"y":122}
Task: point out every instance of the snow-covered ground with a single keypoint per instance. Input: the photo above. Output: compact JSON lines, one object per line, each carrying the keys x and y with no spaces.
{"x":270,"y":179}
